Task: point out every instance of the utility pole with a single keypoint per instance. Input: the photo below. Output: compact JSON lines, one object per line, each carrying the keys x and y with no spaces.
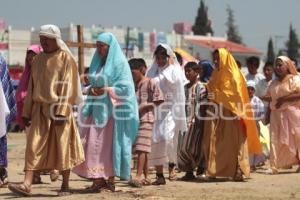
{"x":276,"y":39}
{"x":127,"y":41}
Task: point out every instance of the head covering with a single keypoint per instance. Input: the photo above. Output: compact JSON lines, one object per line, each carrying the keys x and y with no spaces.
{"x":251,"y":83}
{"x":116,"y":74}
{"x":186,"y":57}
{"x":52,"y":31}
{"x":23,"y":84}
{"x":228,"y":87}
{"x":291,"y":67}
{"x":174,"y":74}
{"x":153,"y":71}
{"x":36,"y":48}
{"x":207,"y":70}
{"x":8,"y":90}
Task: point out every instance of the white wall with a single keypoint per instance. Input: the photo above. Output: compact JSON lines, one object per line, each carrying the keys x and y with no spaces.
{"x":18,"y":42}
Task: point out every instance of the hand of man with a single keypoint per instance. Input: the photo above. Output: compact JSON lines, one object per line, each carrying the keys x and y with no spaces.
{"x":59,"y":120}
{"x":26,"y":121}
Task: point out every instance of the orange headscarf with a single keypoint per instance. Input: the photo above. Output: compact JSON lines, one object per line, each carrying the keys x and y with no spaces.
{"x":228,"y":87}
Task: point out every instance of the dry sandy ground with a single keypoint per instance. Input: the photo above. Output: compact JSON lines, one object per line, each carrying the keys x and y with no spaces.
{"x":286,"y":185}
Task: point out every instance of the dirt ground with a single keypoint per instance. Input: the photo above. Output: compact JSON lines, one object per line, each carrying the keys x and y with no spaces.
{"x":286,"y":185}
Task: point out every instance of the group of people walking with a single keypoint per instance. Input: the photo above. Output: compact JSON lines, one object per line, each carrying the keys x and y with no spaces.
{"x":197,"y":117}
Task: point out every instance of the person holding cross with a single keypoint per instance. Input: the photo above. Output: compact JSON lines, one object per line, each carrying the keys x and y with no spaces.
{"x":52,"y":140}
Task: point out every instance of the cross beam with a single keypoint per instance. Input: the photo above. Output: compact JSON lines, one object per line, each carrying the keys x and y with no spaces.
{"x":81,"y":46}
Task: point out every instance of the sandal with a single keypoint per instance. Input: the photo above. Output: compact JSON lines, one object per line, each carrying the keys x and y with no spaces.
{"x":189,"y":176}
{"x":54,"y":175}
{"x":135,"y":183}
{"x":204,"y":178}
{"x":172,"y":172}
{"x":3,"y":177}
{"x":271,"y":171}
{"x":110,"y":186}
{"x":3,"y":183}
{"x":238,"y":177}
{"x":96,"y":186}
{"x":200,"y":171}
{"x":172,"y":176}
{"x":20,"y":189}
{"x":146,"y":182}
{"x":201,"y":176}
{"x":93,"y":189}
{"x":160,"y":180}
{"x":64,"y":191}
{"x":252,"y":169}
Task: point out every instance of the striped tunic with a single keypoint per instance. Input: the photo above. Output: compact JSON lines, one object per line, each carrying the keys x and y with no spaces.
{"x":189,"y":146}
{"x":147,"y":92}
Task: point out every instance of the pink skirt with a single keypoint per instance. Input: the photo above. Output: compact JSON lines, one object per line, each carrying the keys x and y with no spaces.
{"x":97,"y":143}
{"x":285,"y":137}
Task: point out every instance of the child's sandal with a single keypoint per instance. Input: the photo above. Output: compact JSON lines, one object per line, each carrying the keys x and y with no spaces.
{"x":146,"y":182}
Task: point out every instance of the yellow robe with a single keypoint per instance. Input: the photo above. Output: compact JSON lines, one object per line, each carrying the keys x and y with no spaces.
{"x":226,"y":142}
{"x":52,"y":91}
{"x":225,"y":145}
{"x":228,"y":88}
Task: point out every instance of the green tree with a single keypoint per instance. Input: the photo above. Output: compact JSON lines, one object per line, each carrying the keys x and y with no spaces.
{"x":292,"y":44}
{"x":202,"y":24}
{"x":270,"y":53}
{"x":232,"y":29}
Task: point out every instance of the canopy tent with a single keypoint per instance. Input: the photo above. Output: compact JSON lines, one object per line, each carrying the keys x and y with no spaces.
{"x":186,"y":57}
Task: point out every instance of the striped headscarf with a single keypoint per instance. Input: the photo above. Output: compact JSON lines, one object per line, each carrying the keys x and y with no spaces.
{"x":8,"y":90}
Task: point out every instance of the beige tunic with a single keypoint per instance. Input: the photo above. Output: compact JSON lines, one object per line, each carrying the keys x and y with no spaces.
{"x":52,"y":91}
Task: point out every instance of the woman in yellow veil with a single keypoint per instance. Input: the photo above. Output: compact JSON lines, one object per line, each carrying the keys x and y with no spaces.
{"x":230,"y":130}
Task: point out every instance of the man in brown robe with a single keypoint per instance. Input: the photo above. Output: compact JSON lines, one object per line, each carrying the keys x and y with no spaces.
{"x":53,"y":141}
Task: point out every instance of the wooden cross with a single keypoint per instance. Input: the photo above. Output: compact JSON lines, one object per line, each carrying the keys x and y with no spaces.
{"x":80,"y":45}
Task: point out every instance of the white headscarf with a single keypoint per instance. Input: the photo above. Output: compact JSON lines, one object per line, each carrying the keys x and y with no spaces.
{"x":152,"y":72}
{"x":172,"y":72}
{"x":52,"y":31}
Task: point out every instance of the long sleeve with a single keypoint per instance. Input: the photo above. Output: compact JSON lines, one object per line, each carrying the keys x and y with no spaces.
{"x":67,"y":89}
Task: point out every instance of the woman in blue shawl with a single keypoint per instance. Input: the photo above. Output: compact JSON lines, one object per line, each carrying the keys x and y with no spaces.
{"x":111,"y":116}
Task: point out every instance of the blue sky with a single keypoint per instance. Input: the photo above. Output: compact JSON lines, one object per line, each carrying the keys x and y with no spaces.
{"x":257,"y":20}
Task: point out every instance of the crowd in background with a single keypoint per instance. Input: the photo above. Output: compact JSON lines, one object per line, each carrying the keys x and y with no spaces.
{"x":203,"y":118}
